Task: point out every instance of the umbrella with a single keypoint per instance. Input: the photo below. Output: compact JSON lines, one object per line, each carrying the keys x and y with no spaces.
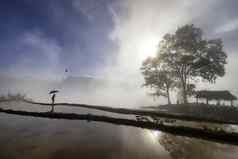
{"x":53,"y":91}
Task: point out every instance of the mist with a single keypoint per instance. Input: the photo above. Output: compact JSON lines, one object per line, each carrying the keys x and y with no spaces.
{"x":91,"y":51}
{"x":105,"y":42}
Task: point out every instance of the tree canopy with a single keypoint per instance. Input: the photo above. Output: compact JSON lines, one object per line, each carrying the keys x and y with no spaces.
{"x":186,"y":55}
{"x":157,"y":78}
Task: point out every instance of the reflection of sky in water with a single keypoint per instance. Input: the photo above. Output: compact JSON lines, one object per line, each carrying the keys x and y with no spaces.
{"x":27,"y":137}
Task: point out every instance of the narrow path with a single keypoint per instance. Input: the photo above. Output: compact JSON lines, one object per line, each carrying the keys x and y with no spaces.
{"x":216,"y":136}
{"x":142,"y":112}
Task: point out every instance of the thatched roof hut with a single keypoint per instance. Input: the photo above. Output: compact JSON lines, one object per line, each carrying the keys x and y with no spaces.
{"x":216,"y":95}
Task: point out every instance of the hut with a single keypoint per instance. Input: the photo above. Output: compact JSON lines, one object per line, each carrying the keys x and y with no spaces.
{"x":215,"y":95}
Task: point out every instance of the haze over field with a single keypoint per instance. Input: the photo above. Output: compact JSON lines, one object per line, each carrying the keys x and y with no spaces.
{"x":105,"y":40}
{"x":93,"y":52}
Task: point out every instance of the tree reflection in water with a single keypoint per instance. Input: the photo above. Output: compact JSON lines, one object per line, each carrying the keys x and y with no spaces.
{"x":189,"y":148}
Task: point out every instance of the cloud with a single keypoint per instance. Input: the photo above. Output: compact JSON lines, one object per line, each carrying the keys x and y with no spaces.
{"x":140,"y":24}
{"x":39,"y":56}
{"x":113,"y":37}
{"x":87,"y":7}
{"x":227,"y":27}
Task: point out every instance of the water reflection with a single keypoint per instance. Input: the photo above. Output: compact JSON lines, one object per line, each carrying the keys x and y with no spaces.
{"x":156,"y":134}
{"x":185,"y":148}
{"x":27,"y":137}
{"x":189,"y":148}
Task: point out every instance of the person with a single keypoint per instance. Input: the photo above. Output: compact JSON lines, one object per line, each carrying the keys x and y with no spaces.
{"x":53,"y":102}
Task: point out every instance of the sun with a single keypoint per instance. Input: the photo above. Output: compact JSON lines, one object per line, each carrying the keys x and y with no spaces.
{"x":147,"y":47}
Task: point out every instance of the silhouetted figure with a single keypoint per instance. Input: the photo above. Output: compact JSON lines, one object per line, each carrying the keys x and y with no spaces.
{"x":53,"y":92}
{"x":53,"y":102}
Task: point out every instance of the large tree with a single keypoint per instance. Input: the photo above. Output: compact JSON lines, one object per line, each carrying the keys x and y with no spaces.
{"x":158,"y":78}
{"x":189,"y":56}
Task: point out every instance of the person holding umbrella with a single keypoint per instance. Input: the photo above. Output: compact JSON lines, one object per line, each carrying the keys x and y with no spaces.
{"x":53,"y":92}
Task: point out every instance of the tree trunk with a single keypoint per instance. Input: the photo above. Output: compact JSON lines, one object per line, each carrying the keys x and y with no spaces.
{"x":184,"y":93}
{"x":168,"y":97}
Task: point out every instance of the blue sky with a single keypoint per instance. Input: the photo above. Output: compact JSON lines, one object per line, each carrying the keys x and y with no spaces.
{"x":44,"y":35}
{"x":106,"y":38}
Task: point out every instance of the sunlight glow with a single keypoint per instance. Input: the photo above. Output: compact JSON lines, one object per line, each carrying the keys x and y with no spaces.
{"x":153,"y":135}
{"x":148,"y":47}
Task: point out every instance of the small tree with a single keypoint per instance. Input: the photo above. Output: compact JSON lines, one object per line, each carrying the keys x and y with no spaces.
{"x":189,"y":56}
{"x":158,"y":78}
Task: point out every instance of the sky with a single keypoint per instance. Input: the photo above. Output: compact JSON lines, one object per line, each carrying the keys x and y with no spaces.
{"x":45,"y":37}
{"x":105,"y":38}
